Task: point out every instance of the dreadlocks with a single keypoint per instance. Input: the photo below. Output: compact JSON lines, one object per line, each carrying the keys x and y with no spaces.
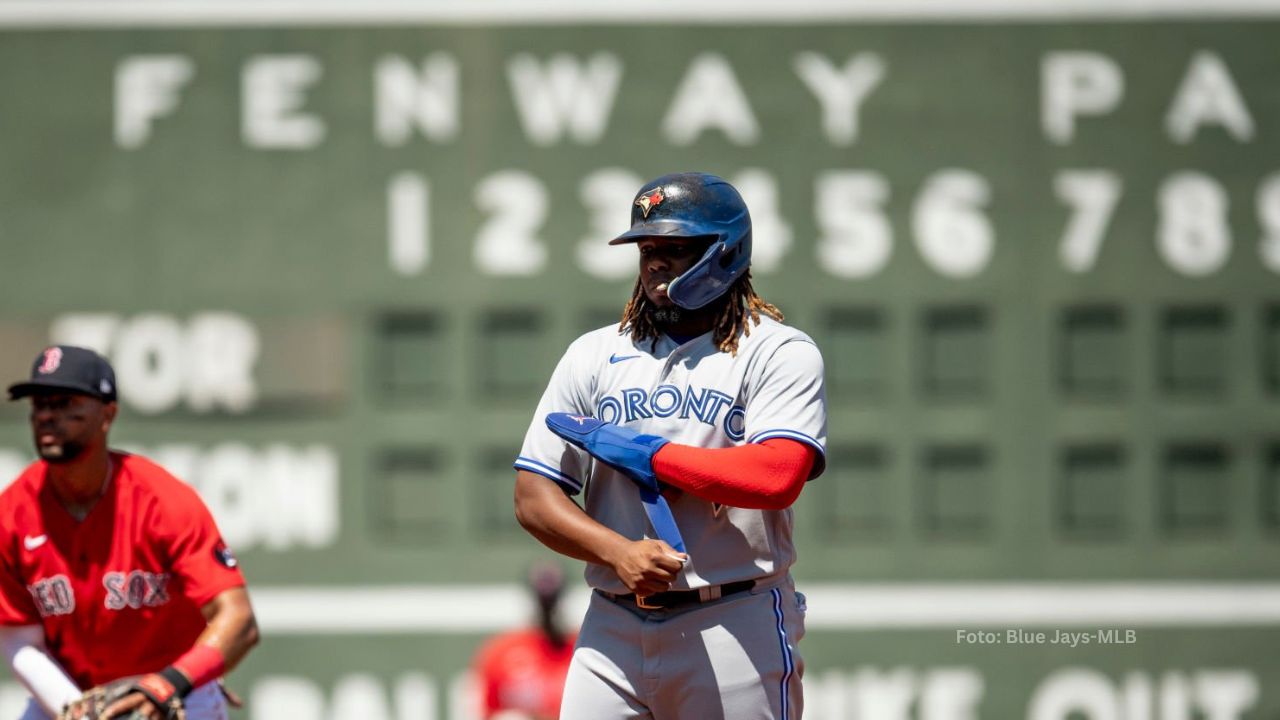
{"x":738,"y":304}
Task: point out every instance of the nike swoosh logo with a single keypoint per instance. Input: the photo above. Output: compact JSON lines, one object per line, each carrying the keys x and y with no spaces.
{"x":31,"y":543}
{"x":616,"y":358}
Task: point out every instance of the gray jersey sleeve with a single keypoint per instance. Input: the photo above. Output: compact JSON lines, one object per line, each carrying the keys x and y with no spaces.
{"x":789,"y":399}
{"x":544,"y":452}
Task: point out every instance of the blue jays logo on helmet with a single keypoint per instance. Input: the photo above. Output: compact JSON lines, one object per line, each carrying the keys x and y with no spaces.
{"x":695,"y":205}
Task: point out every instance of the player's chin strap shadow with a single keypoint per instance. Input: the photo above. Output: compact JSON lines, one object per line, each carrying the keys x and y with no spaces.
{"x":631,"y":454}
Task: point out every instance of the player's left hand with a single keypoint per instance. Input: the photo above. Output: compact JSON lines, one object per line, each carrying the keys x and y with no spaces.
{"x":626,"y":450}
{"x":92,"y":705}
{"x":648,"y":566}
{"x":136,"y":706}
{"x":127,"y":699}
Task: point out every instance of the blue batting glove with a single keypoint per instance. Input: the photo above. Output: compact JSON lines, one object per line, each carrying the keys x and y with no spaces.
{"x":625,"y":450}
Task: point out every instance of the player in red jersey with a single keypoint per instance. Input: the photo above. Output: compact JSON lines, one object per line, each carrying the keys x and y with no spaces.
{"x":521,"y":673}
{"x":109,"y":566}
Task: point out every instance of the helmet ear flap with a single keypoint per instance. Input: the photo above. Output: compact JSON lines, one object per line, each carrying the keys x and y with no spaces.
{"x":729,"y":258}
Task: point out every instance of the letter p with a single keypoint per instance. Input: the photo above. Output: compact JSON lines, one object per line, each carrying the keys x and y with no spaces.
{"x":1074,"y":84}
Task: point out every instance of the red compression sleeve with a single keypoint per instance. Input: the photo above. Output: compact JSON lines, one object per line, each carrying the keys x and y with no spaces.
{"x":201,"y":664}
{"x":765,"y":476}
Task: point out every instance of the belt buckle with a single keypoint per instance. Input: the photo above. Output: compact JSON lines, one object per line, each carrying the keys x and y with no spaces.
{"x":642,"y":602}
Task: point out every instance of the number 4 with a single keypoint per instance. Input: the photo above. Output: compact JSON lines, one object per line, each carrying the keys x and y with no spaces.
{"x":1092,"y":195}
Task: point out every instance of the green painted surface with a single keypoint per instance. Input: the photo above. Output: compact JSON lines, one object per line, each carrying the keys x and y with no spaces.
{"x":994,"y":416}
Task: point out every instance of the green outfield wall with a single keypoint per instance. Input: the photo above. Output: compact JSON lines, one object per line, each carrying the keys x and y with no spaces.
{"x":335,"y":262}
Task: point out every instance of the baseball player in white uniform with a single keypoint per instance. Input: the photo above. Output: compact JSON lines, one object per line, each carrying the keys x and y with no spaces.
{"x":689,"y":429}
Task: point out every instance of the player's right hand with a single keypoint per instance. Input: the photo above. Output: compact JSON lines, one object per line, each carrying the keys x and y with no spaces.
{"x":649,"y":566}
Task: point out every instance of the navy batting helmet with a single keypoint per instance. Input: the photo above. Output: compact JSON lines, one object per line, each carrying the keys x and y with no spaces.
{"x":695,"y":205}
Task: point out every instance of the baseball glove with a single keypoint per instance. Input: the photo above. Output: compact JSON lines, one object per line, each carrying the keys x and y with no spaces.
{"x":93,"y":704}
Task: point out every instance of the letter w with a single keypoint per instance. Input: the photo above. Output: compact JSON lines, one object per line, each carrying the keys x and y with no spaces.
{"x":564,"y":96}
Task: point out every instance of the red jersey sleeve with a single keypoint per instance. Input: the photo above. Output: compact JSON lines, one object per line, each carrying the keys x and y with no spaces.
{"x":199,"y":558}
{"x":16,"y":605}
{"x":486,"y":678}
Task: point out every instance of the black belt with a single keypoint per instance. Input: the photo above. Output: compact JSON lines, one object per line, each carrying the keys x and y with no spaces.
{"x":679,"y":598}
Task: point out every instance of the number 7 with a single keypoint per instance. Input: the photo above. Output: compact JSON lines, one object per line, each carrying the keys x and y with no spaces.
{"x":1092,"y":195}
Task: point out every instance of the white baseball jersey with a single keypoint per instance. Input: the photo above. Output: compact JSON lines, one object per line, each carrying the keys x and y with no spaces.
{"x":692,"y":394}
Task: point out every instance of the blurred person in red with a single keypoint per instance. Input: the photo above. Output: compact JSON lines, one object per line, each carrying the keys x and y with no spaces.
{"x":520,"y":673}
